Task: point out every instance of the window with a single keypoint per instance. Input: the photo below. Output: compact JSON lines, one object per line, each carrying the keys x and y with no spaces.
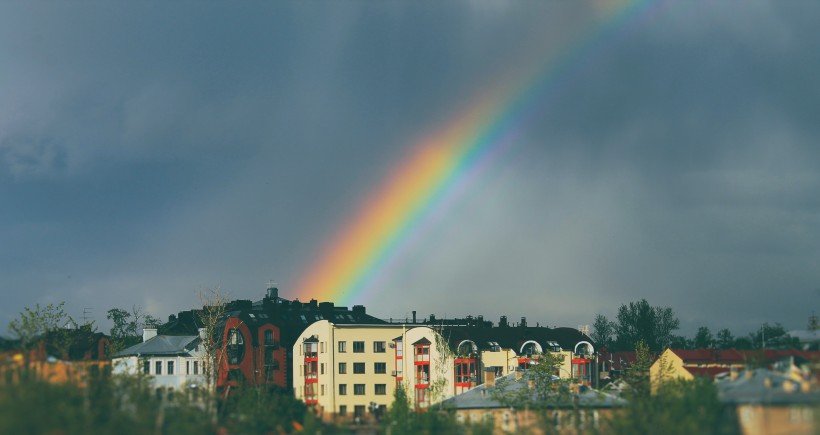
{"x":378,"y":347}
{"x":236,"y":346}
{"x":187,"y":367}
{"x":310,"y":370}
{"x":358,"y":389}
{"x":323,"y":346}
{"x":358,"y":347}
{"x":358,"y":368}
{"x":323,"y":389}
{"x":268,"y":338}
{"x":146,"y":367}
{"x":342,"y":410}
{"x":170,"y":367}
{"x":196,"y":367}
{"x":380,"y":368}
{"x":322,"y":369}
{"x":422,"y":374}
{"x":343,"y":389}
{"x":342,"y":368}
{"x":358,"y":411}
{"x":158,"y":367}
{"x":381,"y":389}
{"x":342,"y":346}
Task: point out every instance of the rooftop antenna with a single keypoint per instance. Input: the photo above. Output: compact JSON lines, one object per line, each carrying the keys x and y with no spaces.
{"x":86,"y":313}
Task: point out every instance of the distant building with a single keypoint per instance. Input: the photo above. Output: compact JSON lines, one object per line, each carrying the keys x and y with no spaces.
{"x":581,"y":410}
{"x":352,"y":370}
{"x":689,"y":364}
{"x":173,"y":361}
{"x":257,"y":337}
{"x":769,"y":402}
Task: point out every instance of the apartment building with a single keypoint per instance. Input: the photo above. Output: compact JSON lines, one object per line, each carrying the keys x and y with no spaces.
{"x":351,"y":371}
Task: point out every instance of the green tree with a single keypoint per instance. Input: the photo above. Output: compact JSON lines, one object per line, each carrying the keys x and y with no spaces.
{"x":602,"y":331}
{"x":42,"y":323}
{"x":725,"y":340}
{"x":127,"y":326}
{"x":638,"y":321}
{"x":704,"y":339}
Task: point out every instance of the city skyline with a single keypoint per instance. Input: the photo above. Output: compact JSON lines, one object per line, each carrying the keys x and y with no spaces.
{"x":149,"y":152}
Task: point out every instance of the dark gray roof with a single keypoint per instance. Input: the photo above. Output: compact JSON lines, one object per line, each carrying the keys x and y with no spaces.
{"x":483,"y":397}
{"x":162,"y":345}
{"x":764,"y":386}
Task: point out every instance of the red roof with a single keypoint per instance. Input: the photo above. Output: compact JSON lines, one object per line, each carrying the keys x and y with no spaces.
{"x":732,"y":356}
{"x":702,"y":372}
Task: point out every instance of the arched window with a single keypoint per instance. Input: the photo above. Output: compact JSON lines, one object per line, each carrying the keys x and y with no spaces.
{"x":236,"y":346}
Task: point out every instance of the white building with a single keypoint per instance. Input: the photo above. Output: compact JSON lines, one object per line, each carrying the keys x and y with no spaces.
{"x":172,"y":361}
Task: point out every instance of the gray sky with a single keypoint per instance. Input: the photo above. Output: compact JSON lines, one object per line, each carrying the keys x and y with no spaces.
{"x":151,"y":149}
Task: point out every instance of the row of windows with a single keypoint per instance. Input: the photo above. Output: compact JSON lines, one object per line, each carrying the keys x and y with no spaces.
{"x":379,"y":368}
{"x":190,"y":369}
{"x":358,"y":346}
{"x":359,"y":389}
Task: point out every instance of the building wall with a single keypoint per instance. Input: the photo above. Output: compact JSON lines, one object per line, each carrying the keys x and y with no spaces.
{"x":774,"y":420}
{"x":506,"y":420}
{"x":360,"y":389}
{"x":182,"y":377}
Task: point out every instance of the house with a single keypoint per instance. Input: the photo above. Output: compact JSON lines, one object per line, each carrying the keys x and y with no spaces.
{"x":173,"y":361}
{"x":579,"y":410}
{"x":770,"y":402}
{"x":688,"y":364}
{"x":256,"y":338}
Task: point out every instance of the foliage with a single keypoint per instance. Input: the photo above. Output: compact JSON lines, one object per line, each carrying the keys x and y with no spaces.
{"x":103,"y":403}
{"x":36,"y":323}
{"x":127,"y":326}
{"x":772,"y":337}
{"x":678,"y":407}
{"x":725,"y":340}
{"x":638,"y":321}
{"x":263,"y":410}
{"x":401,"y":419}
{"x":603,"y":331}
{"x":704,"y":339}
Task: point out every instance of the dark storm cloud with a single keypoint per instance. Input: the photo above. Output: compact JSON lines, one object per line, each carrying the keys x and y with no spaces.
{"x":150,"y":149}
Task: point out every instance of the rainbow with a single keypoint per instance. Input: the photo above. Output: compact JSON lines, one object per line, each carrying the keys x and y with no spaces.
{"x":440,"y":167}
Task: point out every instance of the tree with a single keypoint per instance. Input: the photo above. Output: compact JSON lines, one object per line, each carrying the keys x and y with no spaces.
{"x":704,"y":339}
{"x":602,"y":331}
{"x":127,"y":326}
{"x":771,"y":337}
{"x":42,"y":323}
{"x":214,"y":304}
{"x":725,"y":340}
{"x":638,"y":321}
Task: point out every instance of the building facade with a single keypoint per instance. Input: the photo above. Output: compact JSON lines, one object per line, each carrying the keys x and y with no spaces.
{"x":351,"y":371}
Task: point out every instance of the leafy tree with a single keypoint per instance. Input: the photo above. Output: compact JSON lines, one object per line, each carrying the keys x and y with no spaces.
{"x":401,"y":419}
{"x":602,"y":331}
{"x":127,"y":326}
{"x":772,"y":337}
{"x":42,"y":323}
{"x":249,"y":410}
{"x":704,"y":339}
{"x":680,"y":342}
{"x":725,"y":340}
{"x":638,"y":321}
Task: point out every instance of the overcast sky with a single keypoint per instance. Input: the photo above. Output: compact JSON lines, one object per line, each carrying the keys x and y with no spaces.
{"x":152,"y":149}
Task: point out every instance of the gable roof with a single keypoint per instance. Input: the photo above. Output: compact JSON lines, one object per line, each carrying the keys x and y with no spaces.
{"x":484,"y":397}
{"x":162,"y":345}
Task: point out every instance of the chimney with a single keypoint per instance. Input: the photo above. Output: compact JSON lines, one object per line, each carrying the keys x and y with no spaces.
{"x":503,"y":322}
{"x":414,"y":316}
{"x":272,"y":293}
{"x":523,"y":322}
{"x":148,"y":333}
{"x":202,"y":333}
{"x":489,"y":377}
